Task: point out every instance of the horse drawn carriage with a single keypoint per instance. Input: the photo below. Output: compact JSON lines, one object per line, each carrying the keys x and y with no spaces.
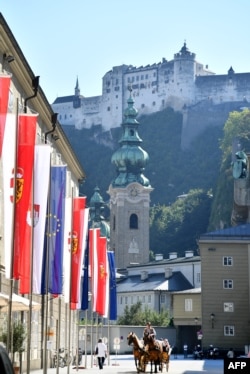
{"x":149,"y":351}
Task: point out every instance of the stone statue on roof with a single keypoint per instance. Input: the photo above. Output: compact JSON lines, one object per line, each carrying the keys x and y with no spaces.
{"x":240,"y":165}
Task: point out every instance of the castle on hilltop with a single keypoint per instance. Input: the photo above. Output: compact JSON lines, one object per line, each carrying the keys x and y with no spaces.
{"x":180,"y":83}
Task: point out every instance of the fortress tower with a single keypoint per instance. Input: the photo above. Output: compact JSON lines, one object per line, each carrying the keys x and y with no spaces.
{"x":130,"y":196}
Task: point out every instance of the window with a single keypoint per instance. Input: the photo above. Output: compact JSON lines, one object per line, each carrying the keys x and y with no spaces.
{"x":132,"y":299}
{"x":126,"y":300}
{"x":114,"y":223}
{"x":143,"y":299}
{"x":227,"y":261}
{"x":228,"y":330}
{"x":162,"y":299}
{"x":121,"y":300}
{"x":227,"y":283}
{"x":198,"y":277}
{"x":188,"y":305}
{"x":228,"y":307}
{"x":133,"y":221}
{"x":149,"y":299}
{"x":108,"y":108}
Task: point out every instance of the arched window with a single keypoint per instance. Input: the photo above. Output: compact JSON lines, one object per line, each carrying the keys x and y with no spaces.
{"x":133,"y":221}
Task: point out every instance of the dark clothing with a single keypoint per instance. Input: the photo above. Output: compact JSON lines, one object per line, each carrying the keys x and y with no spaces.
{"x":5,"y":363}
{"x":101,"y":362}
{"x":102,"y":351}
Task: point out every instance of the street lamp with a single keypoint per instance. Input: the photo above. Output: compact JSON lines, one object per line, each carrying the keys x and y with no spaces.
{"x":212,"y":316}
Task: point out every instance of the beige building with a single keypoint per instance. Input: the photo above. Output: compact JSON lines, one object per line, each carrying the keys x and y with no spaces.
{"x":188,"y":318}
{"x":26,"y":94}
{"x":225,"y":269}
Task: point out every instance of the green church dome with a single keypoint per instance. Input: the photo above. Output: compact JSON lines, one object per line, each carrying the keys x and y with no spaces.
{"x":130,"y":159}
{"x":96,"y":213}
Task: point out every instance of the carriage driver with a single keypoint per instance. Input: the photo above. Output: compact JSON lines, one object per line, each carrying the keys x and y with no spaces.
{"x":149,"y":331}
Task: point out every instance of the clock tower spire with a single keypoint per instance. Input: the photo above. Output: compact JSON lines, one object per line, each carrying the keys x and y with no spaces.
{"x":130,"y":196}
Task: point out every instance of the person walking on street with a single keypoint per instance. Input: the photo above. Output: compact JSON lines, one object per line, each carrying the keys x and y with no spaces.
{"x":100,"y":352}
{"x":230,"y":353}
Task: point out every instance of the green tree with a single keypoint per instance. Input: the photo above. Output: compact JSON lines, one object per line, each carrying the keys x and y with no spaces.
{"x":236,"y":135}
{"x":178,"y":226}
{"x":136,"y":315}
{"x":18,"y":336}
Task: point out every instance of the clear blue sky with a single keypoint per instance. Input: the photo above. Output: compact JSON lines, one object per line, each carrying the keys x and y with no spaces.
{"x":63,"y":39}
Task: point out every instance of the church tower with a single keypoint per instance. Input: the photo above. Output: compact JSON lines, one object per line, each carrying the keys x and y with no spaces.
{"x":96,"y":209}
{"x":130,"y":196}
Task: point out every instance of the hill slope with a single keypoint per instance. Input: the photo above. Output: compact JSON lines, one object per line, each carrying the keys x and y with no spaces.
{"x":171,"y":171}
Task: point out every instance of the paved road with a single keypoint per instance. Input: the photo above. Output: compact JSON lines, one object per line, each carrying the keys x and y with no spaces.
{"x":125,"y":364}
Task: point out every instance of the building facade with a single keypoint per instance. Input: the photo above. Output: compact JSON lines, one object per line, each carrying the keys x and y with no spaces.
{"x":178,"y":83}
{"x":225,"y":269}
{"x":50,"y":324}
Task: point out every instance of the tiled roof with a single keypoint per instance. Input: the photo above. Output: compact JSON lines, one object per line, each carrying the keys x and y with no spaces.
{"x":236,"y":232}
{"x":154,"y":282}
{"x":65,"y":99}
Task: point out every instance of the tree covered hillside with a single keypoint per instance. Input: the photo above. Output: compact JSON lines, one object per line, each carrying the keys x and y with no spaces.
{"x":171,"y":171}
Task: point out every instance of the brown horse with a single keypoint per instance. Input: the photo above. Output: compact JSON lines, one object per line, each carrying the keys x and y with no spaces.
{"x":166,"y":357}
{"x":138,"y":348}
{"x":153,"y":353}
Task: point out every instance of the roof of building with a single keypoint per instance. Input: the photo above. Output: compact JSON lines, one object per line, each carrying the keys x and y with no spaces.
{"x":192,"y":290}
{"x":65,"y":99}
{"x":154,"y":282}
{"x":241,"y":232}
{"x":169,"y":261}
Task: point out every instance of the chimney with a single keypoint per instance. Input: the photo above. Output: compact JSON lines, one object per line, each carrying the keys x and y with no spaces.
{"x":144,"y":275}
{"x":172,"y":255}
{"x":189,"y":254}
{"x":168,"y":272}
{"x":158,"y":257}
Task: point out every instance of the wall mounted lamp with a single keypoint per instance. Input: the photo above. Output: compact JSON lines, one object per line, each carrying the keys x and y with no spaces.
{"x":212,"y":316}
{"x":55,"y":137}
{"x":7,"y":59}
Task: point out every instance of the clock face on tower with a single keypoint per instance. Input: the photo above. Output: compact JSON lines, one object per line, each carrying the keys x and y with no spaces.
{"x":133,"y":192}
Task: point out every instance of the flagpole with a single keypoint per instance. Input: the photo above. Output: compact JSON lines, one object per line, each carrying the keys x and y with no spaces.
{"x":31,"y":274}
{"x":58,"y":334}
{"x":91,"y":336}
{"x":9,"y":335}
{"x":70,"y":282}
{"x":45,"y":355}
{"x":85,"y":341}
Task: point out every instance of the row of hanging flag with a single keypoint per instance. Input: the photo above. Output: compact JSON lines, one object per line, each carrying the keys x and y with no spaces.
{"x":48,"y":244}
